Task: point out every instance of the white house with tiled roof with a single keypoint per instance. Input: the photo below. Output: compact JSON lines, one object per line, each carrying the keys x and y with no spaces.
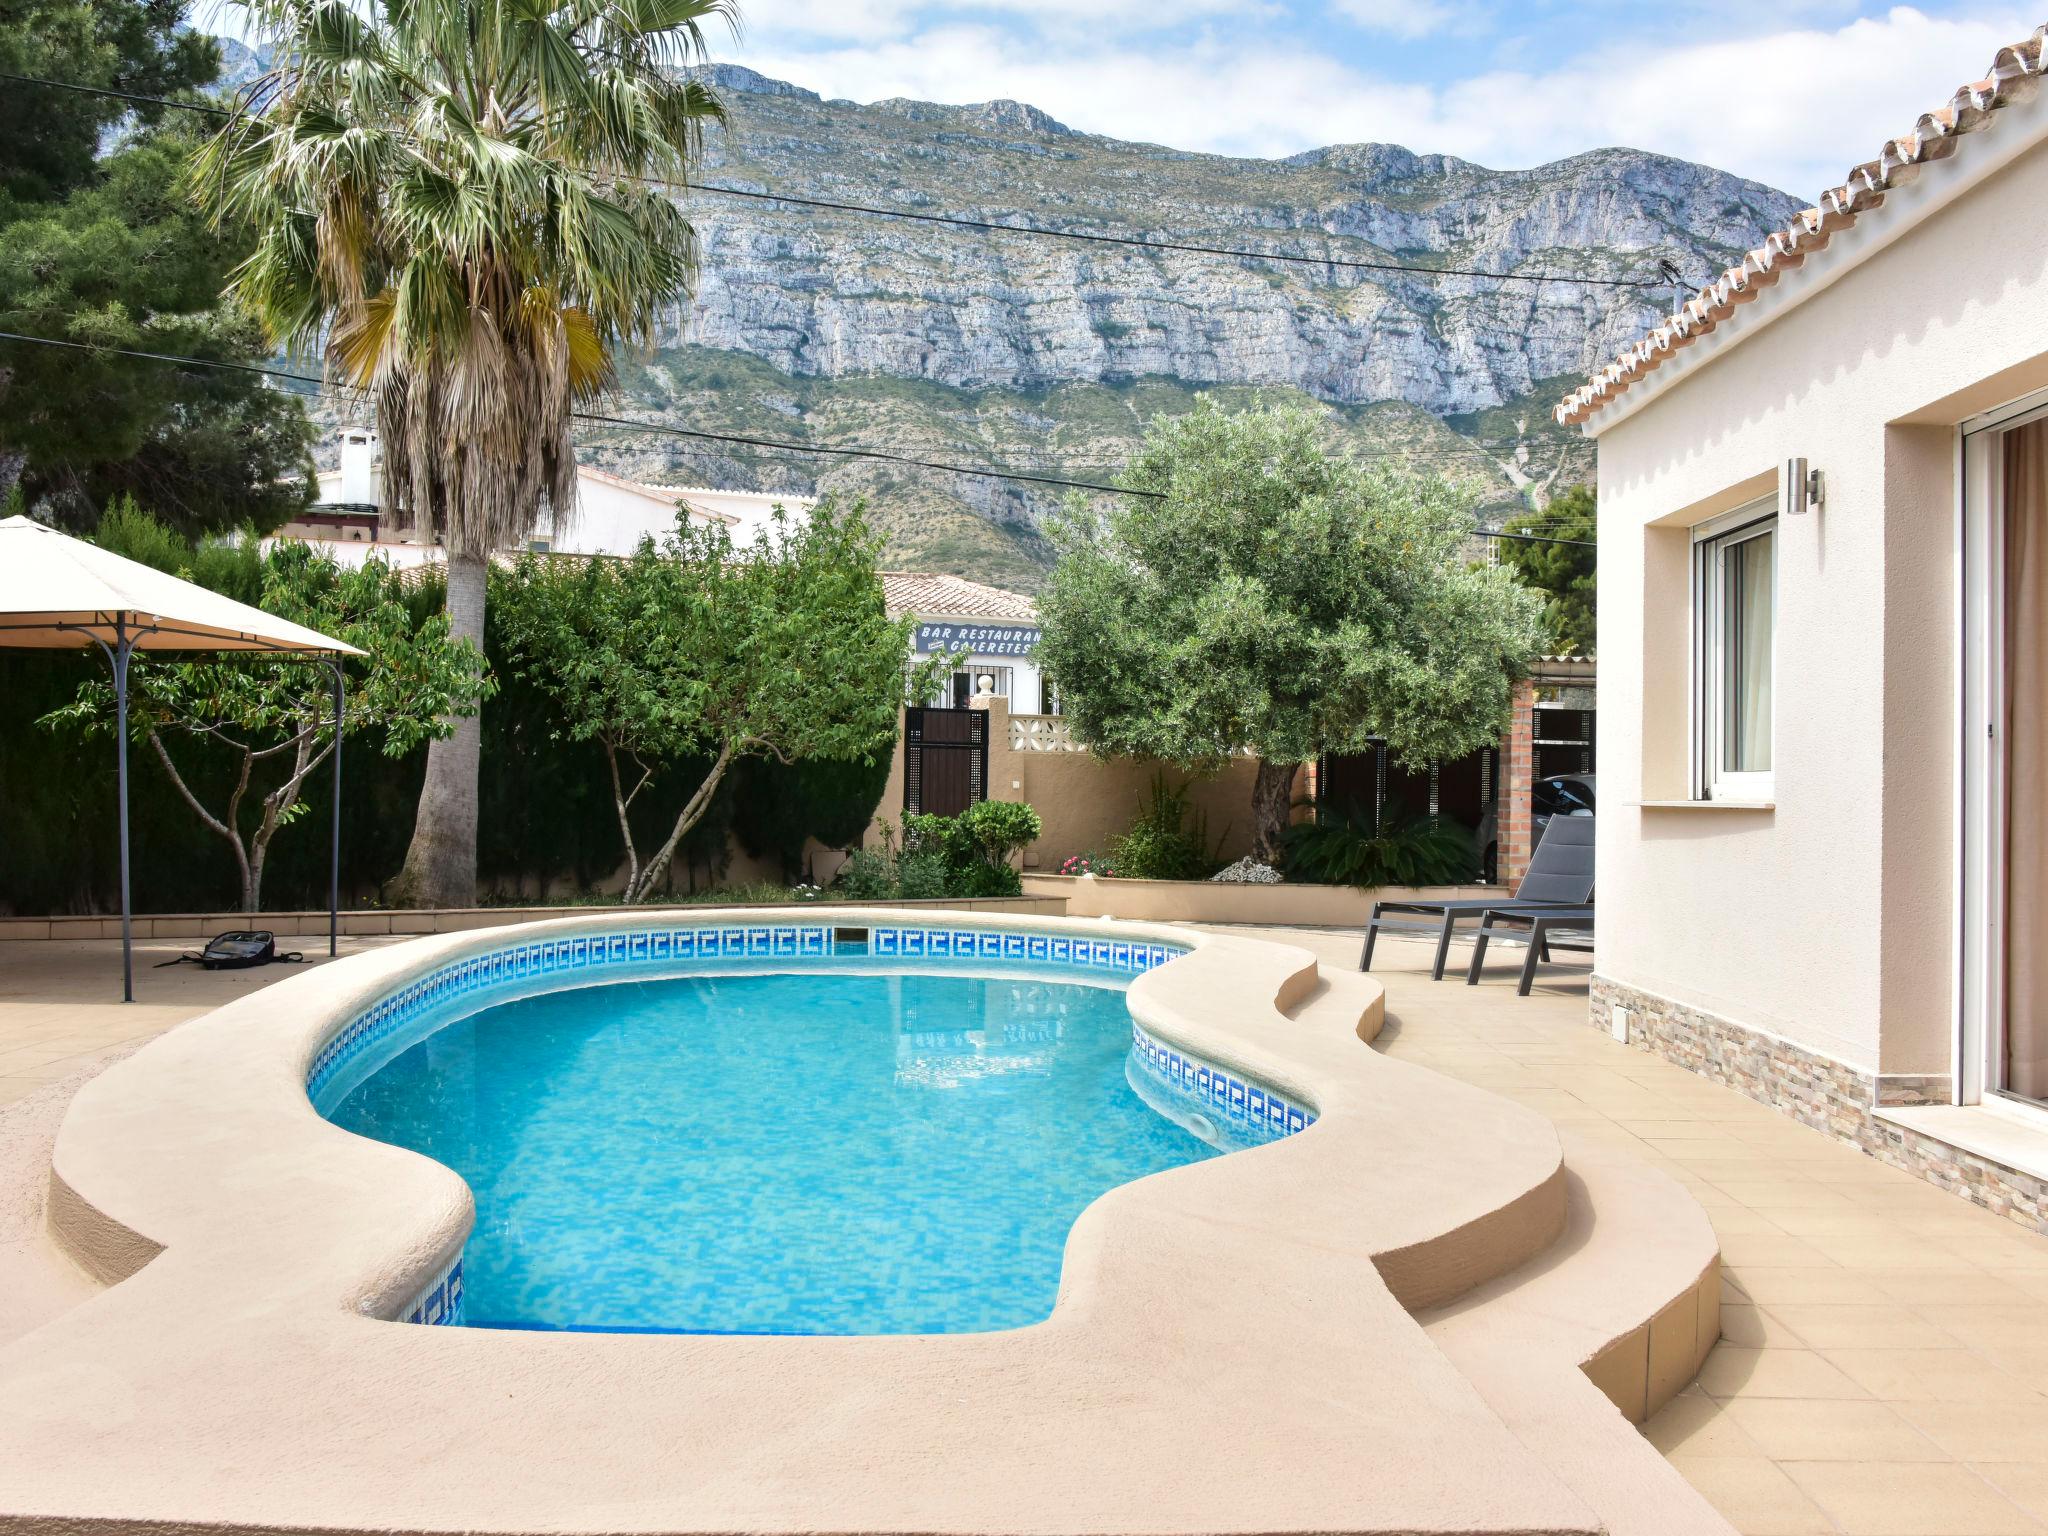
{"x":997,"y":630}
{"x":613,"y":514}
{"x":1823,"y":854}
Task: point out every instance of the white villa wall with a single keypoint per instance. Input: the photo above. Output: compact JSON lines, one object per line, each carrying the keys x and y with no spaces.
{"x":612,"y":515}
{"x":610,"y":519}
{"x":1826,"y":921}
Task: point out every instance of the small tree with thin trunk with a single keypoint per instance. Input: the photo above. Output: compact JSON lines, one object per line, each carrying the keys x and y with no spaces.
{"x":697,"y":649}
{"x":1268,"y":597}
{"x":274,"y":718}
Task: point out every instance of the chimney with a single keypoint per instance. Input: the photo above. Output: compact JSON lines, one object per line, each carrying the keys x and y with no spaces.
{"x":359,"y":468}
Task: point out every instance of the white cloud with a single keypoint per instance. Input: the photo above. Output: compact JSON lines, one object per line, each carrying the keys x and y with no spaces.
{"x":1794,"y":108}
{"x":1206,"y":95}
{"x":1400,"y":18}
{"x":880,"y":22}
{"x":849,"y":19}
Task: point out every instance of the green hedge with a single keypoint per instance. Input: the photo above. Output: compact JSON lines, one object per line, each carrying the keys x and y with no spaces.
{"x":544,"y":808}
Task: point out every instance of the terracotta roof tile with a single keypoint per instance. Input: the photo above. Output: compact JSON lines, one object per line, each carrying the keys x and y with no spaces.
{"x":930,"y":595}
{"x":2015,"y":74}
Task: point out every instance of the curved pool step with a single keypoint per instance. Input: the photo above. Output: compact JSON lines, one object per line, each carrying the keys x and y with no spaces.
{"x":38,"y":1276}
{"x":1446,"y":1212}
{"x":1580,"y":1345}
{"x":1344,"y":1000}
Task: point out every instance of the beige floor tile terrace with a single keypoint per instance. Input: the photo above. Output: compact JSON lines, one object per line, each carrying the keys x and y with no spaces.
{"x":1755,"y":1495}
{"x":1732,"y":1371}
{"x":1820,"y":1429}
{"x":1934,"y":1376}
{"x":2005,"y":1432}
{"x":1753,"y":1327}
{"x":1770,"y":1285}
{"x":1916,"y":1362}
{"x":2025,"y":1483}
{"x":1889,"y":1325}
{"x":1890,"y":1499}
{"x":1945,"y":1288}
{"x":1696,"y":1425}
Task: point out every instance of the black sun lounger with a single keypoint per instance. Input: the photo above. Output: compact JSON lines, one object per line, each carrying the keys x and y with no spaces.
{"x":1560,"y":875}
{"x":1541,"y":928}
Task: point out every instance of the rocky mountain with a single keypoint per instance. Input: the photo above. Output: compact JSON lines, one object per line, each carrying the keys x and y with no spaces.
{"x":844,"y":329}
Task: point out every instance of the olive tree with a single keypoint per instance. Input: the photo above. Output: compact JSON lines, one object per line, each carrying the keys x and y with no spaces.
{"x":1261,"y":595}
{"x":698,"y":648}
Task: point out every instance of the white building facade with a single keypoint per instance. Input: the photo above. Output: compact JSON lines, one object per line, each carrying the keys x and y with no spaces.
{"x":1824,"y":660}
{"x":612,"y":516}
{"x":996,"y":630}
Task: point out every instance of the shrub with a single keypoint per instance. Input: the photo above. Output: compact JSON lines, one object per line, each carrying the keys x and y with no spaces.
{"x":921,"y":875}
{"x":1163,"y":844}
{"x":1408,"y":850}
{"x":984,"y":880}
{"x":868,"y":874}
{"x":994,"y":830}
{"x":964,"y":856}
{"x":925,"y":835}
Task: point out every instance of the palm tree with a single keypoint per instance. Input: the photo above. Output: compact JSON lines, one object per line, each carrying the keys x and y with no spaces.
{"x":451,"y":201}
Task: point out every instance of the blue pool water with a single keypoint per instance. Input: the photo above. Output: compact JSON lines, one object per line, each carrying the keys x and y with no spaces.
{"x":822,"y":1153}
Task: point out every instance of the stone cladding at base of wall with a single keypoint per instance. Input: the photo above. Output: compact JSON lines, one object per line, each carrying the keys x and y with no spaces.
{"x":1822,"y":1093}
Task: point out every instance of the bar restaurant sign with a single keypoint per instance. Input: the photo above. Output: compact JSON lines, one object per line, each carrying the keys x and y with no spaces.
{"x":976,"y":639}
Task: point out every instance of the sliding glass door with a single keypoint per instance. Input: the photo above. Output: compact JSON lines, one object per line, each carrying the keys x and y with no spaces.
{"x":2004,"y":1045}
{"x":2024,"y":451}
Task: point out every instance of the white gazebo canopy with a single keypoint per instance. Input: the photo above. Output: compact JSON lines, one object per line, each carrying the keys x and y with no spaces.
{"x":61,"y":593}
{"x":57,"y":592}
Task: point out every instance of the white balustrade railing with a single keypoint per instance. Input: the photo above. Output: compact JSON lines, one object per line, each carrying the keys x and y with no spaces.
{"x":1042,"y":733}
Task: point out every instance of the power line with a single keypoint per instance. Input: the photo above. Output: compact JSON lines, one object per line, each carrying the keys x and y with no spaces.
{"x":1531,"y":538}
{"x":779,"y":445}
{"x":872,"y":454}
{"x":114,"y":95}
{"x":877,"y":454}
{"x":988,"y":226}
{"x":1142,"y":243}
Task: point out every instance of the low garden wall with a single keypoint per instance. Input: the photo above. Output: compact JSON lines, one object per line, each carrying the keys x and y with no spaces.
{"x":1085,"y":802}
{"x":304,"y":925}
{"x":1208,"y":901}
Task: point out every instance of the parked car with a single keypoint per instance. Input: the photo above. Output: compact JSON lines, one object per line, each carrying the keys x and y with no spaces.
{"x":1562,"y":794}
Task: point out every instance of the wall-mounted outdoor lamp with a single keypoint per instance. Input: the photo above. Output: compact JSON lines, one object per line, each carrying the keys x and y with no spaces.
{"x":1799,"y":488}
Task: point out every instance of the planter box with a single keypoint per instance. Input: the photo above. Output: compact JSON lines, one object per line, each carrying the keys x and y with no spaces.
{"x":1206,"y":901}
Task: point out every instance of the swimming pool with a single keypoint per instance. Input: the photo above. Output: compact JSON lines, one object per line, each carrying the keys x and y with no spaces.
{"x":849,"y":1144}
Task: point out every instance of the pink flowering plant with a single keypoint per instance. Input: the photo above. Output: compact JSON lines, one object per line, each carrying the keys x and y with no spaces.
{"x":1087,"y":864}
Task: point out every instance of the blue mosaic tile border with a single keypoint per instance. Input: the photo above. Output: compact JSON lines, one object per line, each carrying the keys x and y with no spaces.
{"x":1245,"y":1107}
{"x":923,"y":943}
{"x":584,"y":952}
{"x":440,"y":1304}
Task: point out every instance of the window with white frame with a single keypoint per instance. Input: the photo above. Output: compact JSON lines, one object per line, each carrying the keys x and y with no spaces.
{"x":1735,"y":608}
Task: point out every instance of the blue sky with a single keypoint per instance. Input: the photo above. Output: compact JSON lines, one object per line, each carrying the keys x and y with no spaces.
{"x":1791,"y":92}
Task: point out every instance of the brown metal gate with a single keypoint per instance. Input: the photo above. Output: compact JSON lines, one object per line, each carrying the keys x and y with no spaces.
{"x":945,"y":760}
